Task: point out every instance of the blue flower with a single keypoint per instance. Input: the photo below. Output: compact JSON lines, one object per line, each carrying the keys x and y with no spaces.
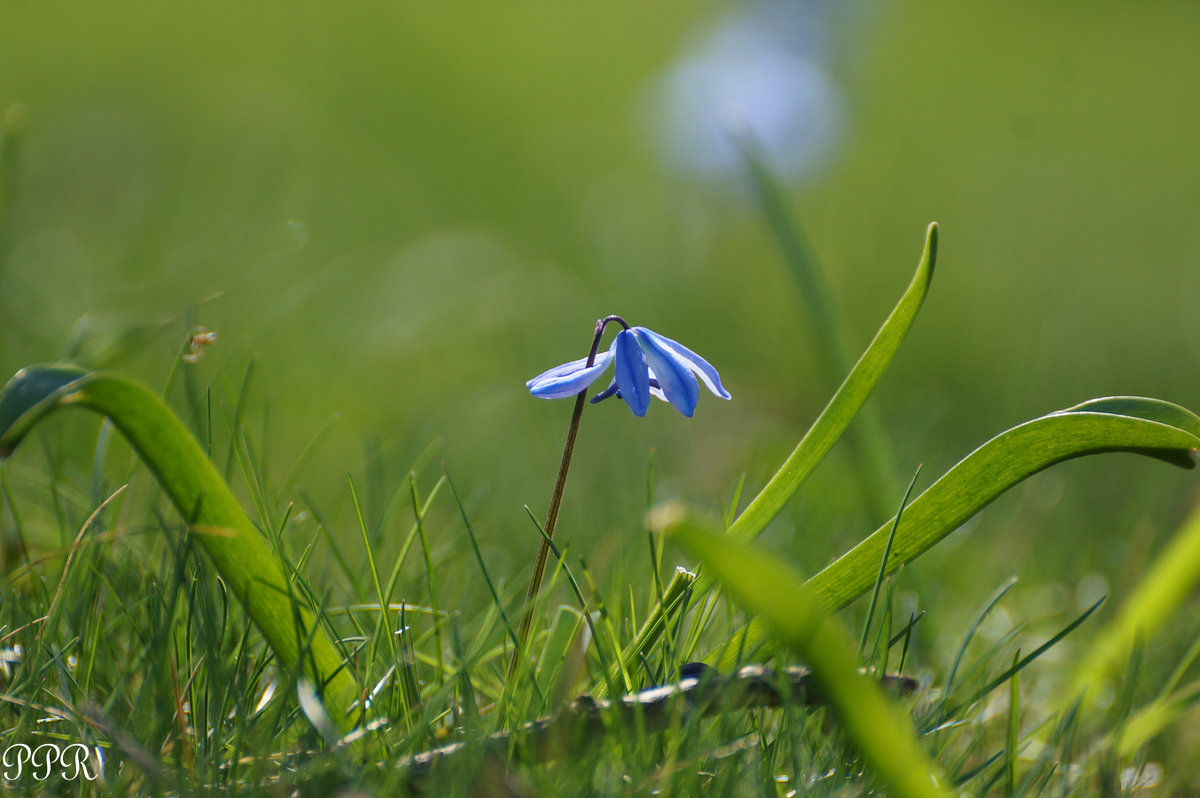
{"x":647,"y":364}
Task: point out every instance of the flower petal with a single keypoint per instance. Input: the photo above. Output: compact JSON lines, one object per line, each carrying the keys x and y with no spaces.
{"x":569,"y":378}
{"x":672,"y":372}
{"x":633,"y":377}
{"x":696,"y":364}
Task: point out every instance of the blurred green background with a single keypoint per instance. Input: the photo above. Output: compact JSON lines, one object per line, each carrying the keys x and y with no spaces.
{"x":402,"y":211}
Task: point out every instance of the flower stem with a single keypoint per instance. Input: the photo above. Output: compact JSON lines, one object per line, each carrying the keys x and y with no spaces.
{"x":539,"y":565}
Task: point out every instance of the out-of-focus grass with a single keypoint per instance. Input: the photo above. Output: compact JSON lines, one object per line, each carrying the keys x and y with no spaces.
{"x":164,"y":672}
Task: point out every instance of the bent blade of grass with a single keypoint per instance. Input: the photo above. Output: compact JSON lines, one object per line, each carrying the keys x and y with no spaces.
{"x":1181,"y":668}
{"x":506,"y":697}
{"x":906,"y":635}
{"x":1117,"y":424}
{"x":551,"y":667}
{"x":430,"y":582}
{"x":383,"y":626}
{"x":200,"y":495}
{"x":1146,"y":426}
{"x":768,"y":587}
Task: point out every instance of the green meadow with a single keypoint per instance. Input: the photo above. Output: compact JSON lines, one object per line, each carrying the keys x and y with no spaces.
{"x":300,"y":261}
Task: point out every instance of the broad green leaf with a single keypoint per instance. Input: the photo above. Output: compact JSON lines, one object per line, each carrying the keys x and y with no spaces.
{"x":766,"y":586}
{"x":1117,"y":424}
{"x":241,"y":555}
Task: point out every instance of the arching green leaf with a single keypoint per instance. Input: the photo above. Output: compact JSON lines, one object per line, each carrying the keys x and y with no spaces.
{"x":1115,"y":424}
{"x":241,"y":555}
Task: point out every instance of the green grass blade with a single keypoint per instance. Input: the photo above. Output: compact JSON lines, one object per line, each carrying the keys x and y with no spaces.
{"x":430,"y":582}
{"x":305,"y":457}
{"x":1014,"y":727}
{"x":844,"y":405}
{"x":552,"y":664}
{"x":1020,"y":664}
{"x":610,"y":630}
{"x":487,"y":577}
{"x":1117,"y":424}
{"x":833,"y":348}
{"x":1146,"y":426}
{"x":979,"y":619}
{"x":768,"y":587}
{"x":887,"y":550}
{"x":239,"y":407}
{"x":1181,"y":668}
{"x":653,"y":628}
{"x":325,"y":529}
{"x":584,"y":609}
{"x":906,"y":634}
{"x":383,"y":625}
{"x":188,"y":477}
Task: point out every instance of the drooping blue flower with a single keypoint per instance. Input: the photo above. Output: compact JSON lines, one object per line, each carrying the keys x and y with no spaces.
{"x":647,"y":364}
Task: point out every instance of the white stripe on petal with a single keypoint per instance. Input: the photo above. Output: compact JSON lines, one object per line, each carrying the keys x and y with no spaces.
{"x":569,"y":378}
{"x":696,"y":364}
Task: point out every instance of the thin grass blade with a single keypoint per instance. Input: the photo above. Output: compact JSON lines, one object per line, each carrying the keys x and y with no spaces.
{"x":887,"y":550}
{"x":1022,"y":663}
